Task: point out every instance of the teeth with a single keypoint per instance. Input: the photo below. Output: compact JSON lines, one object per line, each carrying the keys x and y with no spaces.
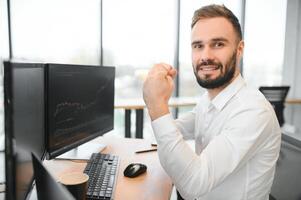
{"x":208,"y":68}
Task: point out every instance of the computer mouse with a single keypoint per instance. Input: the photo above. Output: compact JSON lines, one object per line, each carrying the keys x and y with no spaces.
{"x":134,"y":170}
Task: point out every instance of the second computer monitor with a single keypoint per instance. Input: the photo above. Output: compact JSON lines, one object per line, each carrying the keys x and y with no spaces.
{"x":80,"y":105}
{"x":24,"y":125}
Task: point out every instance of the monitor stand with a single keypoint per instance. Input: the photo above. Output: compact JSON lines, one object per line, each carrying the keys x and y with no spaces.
{"x":82,"y":152}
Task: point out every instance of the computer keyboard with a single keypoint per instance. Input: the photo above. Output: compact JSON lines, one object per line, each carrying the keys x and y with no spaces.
{"x":102,"y":172}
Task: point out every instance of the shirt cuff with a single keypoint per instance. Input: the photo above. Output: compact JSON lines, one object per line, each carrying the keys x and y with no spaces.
{"x":165,"y":129}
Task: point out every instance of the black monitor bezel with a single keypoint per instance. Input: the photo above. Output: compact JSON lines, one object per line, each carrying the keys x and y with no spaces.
{"x":51,"y":154}
{"x":10,"y":143}
{"x":8,"y":131}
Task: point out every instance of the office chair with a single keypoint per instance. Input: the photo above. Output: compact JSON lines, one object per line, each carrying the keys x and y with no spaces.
{"x":287,"y":181}
{"x":276,"y":96}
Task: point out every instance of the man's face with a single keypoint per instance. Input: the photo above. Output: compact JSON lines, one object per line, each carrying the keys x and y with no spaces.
{"x":215,"y":52}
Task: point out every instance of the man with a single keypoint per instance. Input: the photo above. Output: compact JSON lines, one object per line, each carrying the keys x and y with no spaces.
{"x":237,"y":136}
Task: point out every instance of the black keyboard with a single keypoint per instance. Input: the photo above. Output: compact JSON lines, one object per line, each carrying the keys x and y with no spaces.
{"x":102,"y":172}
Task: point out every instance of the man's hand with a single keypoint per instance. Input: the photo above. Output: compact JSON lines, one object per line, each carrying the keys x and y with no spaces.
{"x":158,"y":88}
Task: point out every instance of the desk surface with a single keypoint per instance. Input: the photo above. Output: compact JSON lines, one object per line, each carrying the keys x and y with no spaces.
{"x":138,"y":103}
{"x":153,"y":185}
{"x":293,"y":101}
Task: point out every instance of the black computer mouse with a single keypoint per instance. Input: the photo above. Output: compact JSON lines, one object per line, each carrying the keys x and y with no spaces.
{"x":134,"y":170}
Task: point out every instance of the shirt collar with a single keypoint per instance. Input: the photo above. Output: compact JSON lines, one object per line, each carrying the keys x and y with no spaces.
{"x":227,"y":93}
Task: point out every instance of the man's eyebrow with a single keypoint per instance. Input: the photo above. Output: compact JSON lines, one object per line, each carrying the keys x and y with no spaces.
{"x":196,"y":42}
{"x":220,"y":39}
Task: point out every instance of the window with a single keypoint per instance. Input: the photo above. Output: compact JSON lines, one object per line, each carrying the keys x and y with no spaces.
{"x":264,"y":42}
{"x":136,"y":35}
{"x":66,"y":31}
{"x":4,"y":54}
{"x":4,"y":49}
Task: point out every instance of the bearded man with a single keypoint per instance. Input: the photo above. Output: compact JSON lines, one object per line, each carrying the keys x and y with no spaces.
{"x":236,"y":132}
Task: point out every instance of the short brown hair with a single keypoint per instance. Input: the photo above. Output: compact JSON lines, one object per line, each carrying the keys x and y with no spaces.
{"x":212,"y":11}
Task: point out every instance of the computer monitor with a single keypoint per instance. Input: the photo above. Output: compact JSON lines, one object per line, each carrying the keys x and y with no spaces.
{"x":46,"y":186}
{"x":80,"y":105}
{"x":24,"y":125}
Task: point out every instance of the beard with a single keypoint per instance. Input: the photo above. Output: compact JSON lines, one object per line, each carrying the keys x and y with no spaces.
{"x":224,"y":77}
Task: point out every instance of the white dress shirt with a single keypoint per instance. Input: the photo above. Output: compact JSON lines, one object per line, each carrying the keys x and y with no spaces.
{"x":237,"y":143}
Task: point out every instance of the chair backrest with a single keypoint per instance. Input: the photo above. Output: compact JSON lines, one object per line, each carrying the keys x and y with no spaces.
{"x":276,"y":95}
{"x":287,"y":181}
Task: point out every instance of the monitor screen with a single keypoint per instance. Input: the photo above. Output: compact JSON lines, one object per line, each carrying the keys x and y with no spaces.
{"x":24,"y":124}
{"x":80,"y":105}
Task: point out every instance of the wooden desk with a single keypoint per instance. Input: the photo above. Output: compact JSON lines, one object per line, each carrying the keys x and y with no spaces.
{"x":138,"y":105}
{"x":293,"y":101}
{"x":153,"y":185}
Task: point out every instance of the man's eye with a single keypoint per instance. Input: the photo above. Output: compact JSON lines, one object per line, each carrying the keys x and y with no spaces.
{"x":218,"y":44}
{"x":197,"y":46}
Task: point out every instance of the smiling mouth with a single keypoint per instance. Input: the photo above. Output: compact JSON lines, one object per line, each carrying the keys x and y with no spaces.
{"x":209,"y":68}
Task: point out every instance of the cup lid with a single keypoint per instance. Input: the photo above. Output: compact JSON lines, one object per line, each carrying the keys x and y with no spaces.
{"x":73,"y":178}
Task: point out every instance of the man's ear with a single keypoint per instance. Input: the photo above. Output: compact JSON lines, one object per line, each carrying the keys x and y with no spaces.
{"x":240,"y":48}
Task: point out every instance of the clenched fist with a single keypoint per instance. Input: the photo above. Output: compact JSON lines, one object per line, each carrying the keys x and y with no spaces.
{"x":158,"y":88}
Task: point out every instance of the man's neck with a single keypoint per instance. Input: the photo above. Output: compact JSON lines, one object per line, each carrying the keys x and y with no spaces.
{"x":214,"y":92}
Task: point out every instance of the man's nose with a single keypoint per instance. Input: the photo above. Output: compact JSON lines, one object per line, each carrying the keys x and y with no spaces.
{"x":207,"y":53}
